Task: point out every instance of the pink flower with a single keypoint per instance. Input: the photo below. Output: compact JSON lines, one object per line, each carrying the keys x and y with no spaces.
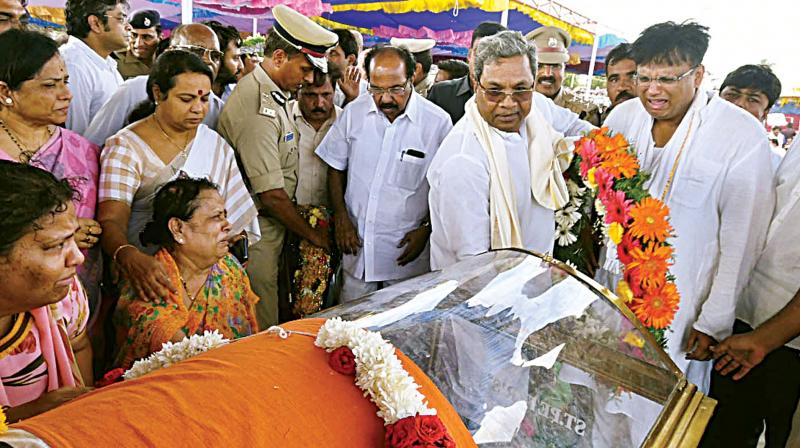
{"x":589,"y":156}
{"x":617,"y":207}
{"x":604,"y":183}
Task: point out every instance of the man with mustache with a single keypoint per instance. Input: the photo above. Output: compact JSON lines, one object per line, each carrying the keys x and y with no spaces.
{"x":551,"y":46}
{"x":620,"y":71}
{"x":144,"y":36}
{"x":379,"y":149}
{"x":13,"y":15}
{"x":231,"y":65}
{"x":421,"y":50}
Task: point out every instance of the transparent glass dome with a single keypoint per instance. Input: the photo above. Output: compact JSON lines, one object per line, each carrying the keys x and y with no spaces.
{"x":532,"y":353}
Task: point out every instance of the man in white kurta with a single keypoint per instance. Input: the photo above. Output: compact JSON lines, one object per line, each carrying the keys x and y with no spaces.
{"x":385,"y":141}
{"x":493,"y":164}
{"x":114,"y":114}
{"x":769,"y":393}
{"x":713,"y":171}
{"x":93,"y":75}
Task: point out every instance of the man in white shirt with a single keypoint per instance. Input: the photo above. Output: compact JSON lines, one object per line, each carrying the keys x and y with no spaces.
{"x":96,"y":29}
{"x":385,"y":142}
{"x":495,"y":181}
{"x":770,"y":391}
{"x":344,"y":57}
{"x":314,"y":113}
{"x":709,"y":162}
{"x":113,"y":116}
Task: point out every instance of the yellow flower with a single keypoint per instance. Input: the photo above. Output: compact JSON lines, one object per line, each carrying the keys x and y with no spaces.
{"x":3,"y":422}
{"x":590,"y":178}
{"x":624,"y":291}
{"x":615,"y":232}
{"x":313,"y":221}
{"x":634,"y":340}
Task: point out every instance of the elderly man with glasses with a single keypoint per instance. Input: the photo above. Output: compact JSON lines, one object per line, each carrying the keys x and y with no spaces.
{"x":195,"y":38}
{"x":96,"y":29}
{"x":378,"y":152}
{"x":710,"y":163}
{"x":496,"y":180}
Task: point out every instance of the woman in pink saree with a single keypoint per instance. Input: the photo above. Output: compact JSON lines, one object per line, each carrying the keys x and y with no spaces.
{"x":34,"y":98}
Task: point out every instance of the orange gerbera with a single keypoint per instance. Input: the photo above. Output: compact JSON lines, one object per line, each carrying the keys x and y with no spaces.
{"x":657,"y":307}
{"x":650,"y":220}
{"x":653,"y":263}
{"x":620,"y":164}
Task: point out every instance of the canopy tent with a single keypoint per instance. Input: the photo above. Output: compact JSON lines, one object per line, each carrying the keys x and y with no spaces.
{"x":449,"y":22}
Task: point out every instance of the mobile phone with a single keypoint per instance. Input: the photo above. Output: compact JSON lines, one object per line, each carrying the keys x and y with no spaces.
{"x":239,"y":249}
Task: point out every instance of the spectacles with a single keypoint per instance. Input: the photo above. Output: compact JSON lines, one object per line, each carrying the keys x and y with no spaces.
{"x":122,"y":17}
{"x":214,"y":56}
{"x":663,"y":80}
{"x":499,"y":95}
{"x":391,"y":90}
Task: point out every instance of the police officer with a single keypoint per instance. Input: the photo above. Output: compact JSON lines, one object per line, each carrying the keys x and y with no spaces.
{"x":551,"y":50}
{"x":257,"y":123}
{"x":144,"y":37}
{"x":421,"y":49}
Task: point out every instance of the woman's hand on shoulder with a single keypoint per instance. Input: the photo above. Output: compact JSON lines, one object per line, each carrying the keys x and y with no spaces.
{"x":146,"y":275}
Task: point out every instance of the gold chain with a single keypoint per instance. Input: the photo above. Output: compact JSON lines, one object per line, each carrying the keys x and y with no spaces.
{"x":181,"y":148}
{"x":674,"y":169}
{"x":25,"y":155}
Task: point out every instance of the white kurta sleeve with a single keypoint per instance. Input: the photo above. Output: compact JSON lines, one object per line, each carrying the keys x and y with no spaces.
{"x":459,"y":206}
{"x":113,"y":116}
{"x":561,"y":119}
{"x":334,"y":149}
{"x":746,"y":205}
{"x":80,"y":108}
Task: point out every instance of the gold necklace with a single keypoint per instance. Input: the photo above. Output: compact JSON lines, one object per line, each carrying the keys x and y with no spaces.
{"x":181,"y":148}
{"x":25,"y":155}
{"x":674,"y":169}
{"x":186,"y":288}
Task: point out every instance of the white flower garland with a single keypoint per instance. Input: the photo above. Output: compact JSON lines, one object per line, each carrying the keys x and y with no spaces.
{"x":379,"y":372}
{"x":172,"y":353}
{"x":569,"y":215}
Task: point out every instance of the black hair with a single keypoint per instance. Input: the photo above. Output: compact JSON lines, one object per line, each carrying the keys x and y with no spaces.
{"x":23,"y":54}
{"x":671,"y":43}
{"x":425,"y":59}
{"x":485,"y":29}
{"x":176,"y":199}
{"x":29,"y":193}
{"x":619,"y":53}
{"x":402,"y":53}
{"x":347,"y":42}
{"x":225,"y":34}
{"x":78,"y":11}
{"x":333,"y":75}
{"x":274,"y":41}
{"x":162,"y":46}
{"x":456,"y":68}
{"x":163,"y":73}
{"x":758,"y":77}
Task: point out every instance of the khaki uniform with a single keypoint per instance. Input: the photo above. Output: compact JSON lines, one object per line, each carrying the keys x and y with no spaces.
{"x":424,"y":86}
{"x":586,"y":110}
{"x":129,"y":66}
{"x":256,"y":121}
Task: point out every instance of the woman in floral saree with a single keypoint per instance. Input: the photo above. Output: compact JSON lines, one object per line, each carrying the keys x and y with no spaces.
{"x":190,"y":227}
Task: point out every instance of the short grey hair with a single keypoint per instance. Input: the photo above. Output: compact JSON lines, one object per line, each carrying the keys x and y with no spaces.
{"x":505,"y":44}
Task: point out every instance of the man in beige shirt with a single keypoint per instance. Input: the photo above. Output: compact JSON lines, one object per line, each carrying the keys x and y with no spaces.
{"x":256,"y":122}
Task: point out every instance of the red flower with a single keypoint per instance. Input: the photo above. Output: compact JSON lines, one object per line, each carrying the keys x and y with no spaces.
{"x":617,"y":207}
{"x":634,"y":279}
{"x":604,"y":183}
{"x":111,"y":377}
{"x":430,"y":428}
{"x":343,"y":361}
{"x":589,"y":155}
{"x":401,"y":434}
{"x":625,"y":247}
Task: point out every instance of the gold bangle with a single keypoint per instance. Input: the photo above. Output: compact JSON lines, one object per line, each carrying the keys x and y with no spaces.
{"x":116,"y":252}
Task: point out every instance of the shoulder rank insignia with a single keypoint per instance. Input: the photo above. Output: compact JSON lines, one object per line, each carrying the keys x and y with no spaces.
{"x":266,"y":111}
{"x":280,"y":99}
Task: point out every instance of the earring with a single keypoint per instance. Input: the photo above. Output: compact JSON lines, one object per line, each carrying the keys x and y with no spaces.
{"x":180,"y":241}
{"x":9,"y":101}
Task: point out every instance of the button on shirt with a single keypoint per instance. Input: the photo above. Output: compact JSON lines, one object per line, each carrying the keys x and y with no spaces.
{"x":113,"y":116}
{"x":387,"y":193}
{"x":92,"y":81}
{"x":312,"y":173}
{"x":459,"y":199}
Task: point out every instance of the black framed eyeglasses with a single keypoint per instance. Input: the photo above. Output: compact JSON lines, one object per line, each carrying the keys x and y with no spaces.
{"x":663,"y":80}
{"x":499,"y":95}
{"x":397,"y":90}
{"x":214,"y":56}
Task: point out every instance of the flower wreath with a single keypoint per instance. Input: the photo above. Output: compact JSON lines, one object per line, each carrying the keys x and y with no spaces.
{"x":379,"y":373}
{"x":613,"y":204}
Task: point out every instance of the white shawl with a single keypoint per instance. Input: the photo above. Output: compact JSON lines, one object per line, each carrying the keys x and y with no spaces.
{"x":548,"y":155}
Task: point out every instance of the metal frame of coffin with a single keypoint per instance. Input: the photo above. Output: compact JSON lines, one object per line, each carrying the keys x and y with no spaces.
{"x":418,"y":312}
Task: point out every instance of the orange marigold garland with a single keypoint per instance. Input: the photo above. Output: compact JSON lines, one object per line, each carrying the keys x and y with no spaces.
{"x":607,"y":188}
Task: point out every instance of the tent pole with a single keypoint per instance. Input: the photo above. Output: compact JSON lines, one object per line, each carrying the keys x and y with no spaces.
{"x":593,"y":60}
{"x":255,"y":26}
{"x":504,"y":15}
{"x":186,"y":11}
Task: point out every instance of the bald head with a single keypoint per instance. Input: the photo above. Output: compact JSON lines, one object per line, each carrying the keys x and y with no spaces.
{"x":194,"y":37}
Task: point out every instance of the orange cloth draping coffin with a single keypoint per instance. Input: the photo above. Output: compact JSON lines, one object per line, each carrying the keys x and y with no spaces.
{"x":261,"y":391}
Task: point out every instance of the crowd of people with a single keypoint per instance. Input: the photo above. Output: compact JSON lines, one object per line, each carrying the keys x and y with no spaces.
{"x":150,"y":184}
